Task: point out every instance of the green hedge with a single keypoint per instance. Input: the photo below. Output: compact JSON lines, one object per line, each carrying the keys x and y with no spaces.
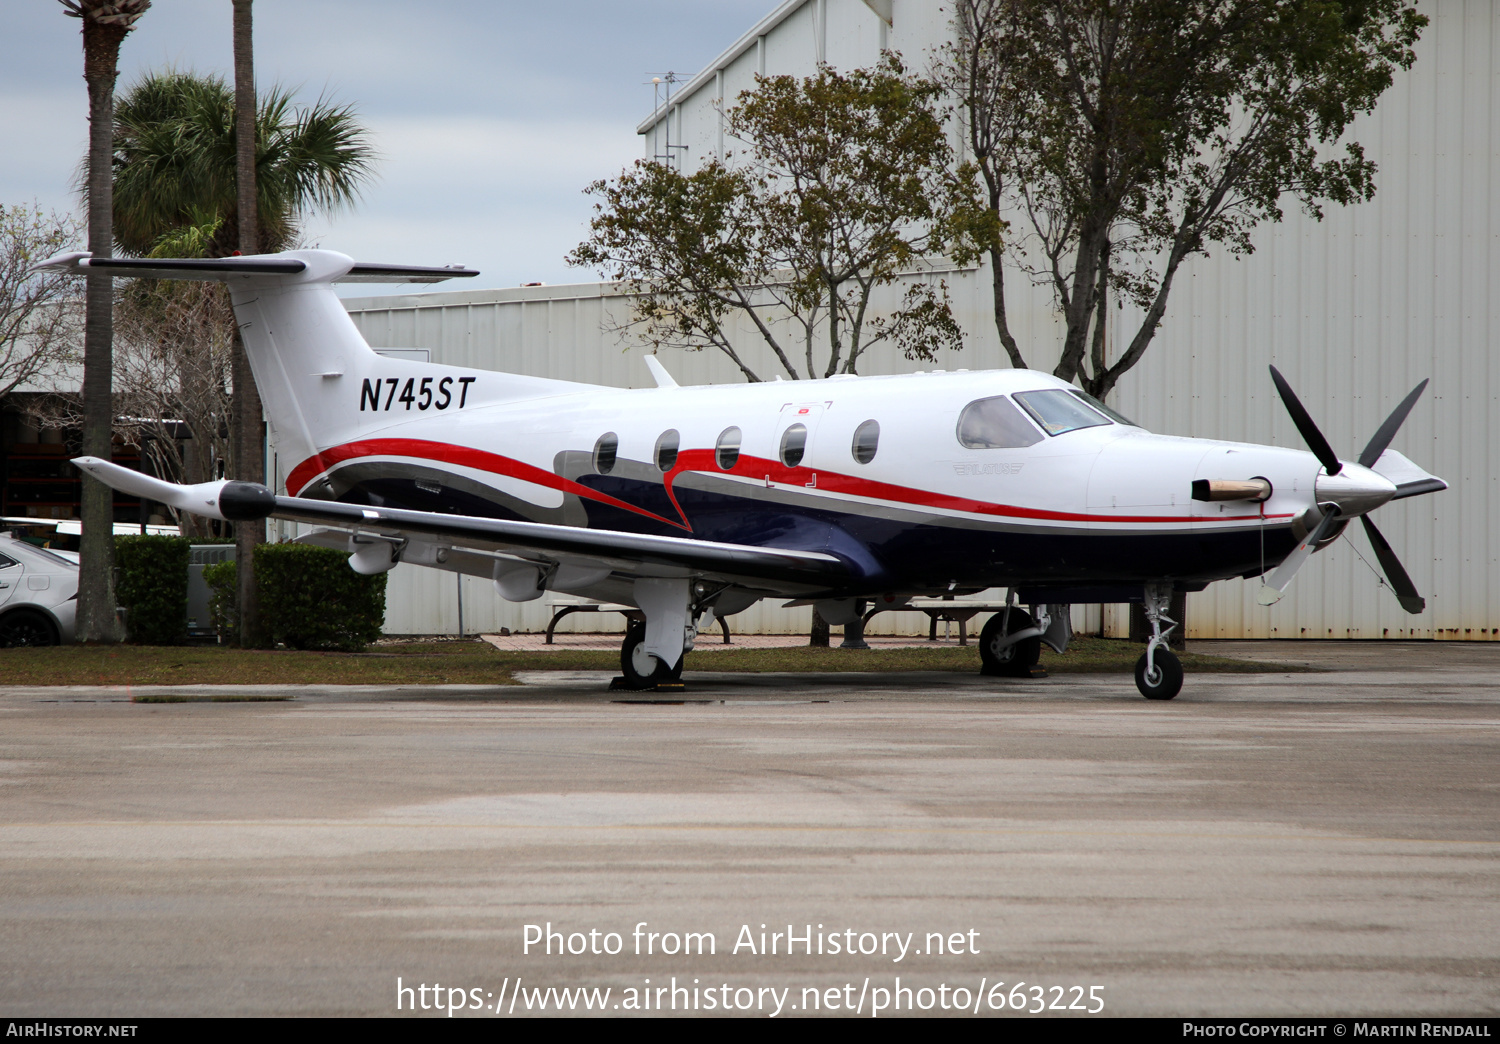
{"x":152,"y":587}
{"x":309,"y":598}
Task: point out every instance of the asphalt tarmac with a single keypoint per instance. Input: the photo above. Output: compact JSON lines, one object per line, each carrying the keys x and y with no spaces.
{"x":1312,"y":844}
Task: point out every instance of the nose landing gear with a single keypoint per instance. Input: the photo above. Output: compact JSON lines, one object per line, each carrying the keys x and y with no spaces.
{"x":1158,"y":674}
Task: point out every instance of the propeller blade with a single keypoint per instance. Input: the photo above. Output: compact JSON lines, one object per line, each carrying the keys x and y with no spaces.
{"x":1275,"y":586}
{"x":1406,"y":591}
{"x":1387,"y":431}
{"x":1310,"y":433}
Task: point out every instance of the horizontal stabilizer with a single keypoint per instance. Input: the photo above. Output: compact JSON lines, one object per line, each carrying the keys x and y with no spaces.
{"x":224,"y":499}
{"x":224,"y":269}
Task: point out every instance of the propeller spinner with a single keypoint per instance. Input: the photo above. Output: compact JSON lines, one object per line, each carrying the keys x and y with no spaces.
{"x":1346,"y":491}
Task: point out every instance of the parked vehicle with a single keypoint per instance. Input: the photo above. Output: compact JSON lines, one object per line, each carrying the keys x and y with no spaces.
{"x":38,"y":594}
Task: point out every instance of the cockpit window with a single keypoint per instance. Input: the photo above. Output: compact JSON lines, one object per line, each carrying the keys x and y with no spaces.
{"x":995,"y":424}
{"x":1114,"y":415}
{"x":1058,"y":410}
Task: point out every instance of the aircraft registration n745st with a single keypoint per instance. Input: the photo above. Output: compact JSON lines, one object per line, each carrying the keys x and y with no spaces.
{"x":696,"y":502}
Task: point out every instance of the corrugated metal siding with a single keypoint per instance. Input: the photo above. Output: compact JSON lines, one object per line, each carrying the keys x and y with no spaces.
{"x":1355,"y":310}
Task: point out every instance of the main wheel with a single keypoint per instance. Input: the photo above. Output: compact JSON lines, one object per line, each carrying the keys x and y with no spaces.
{"x":642,"y":670}
{"x":1165,"y":681}
{"x":26,"y":627}
{"x":1015,"y":659}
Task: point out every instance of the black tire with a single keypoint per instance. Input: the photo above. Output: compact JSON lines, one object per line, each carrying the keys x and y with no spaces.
{"x":1168,"y":680}
{"x":1016,"y":659}
{"x":27,"y":627}
{"x":640,"y":668}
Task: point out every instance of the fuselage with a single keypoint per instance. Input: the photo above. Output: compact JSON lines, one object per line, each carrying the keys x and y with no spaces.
{"x":890,"y":473}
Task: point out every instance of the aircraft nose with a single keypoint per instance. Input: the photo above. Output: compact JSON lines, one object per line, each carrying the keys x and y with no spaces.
{"x":1355,"y":490}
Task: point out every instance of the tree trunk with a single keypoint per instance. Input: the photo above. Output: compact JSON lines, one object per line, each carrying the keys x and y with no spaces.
{"x":819,"y":636}
{"x":97,"y":619}
{"x":249,"y":436}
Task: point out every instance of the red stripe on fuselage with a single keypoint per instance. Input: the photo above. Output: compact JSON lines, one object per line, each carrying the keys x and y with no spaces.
{"x":463,"y":456}
{"x":704,"y":461}
{"x":760,"y":469}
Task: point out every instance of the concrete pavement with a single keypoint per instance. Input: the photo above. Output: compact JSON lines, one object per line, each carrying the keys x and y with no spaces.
{"x":1298,"y":843}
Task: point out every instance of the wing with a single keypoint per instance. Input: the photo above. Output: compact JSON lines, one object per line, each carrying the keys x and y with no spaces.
{"x":633,"y":554}
{"x":376,"y":532}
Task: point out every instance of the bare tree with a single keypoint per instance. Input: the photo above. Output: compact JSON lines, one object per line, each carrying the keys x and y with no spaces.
{"x":172,"y":372}
{"x":39,"y":314}
{"x":1125,"y":136}
{"x":105,"y":26}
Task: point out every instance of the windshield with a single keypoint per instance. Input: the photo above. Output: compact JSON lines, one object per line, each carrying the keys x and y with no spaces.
{"x":1059,"y":411}
{"x":1114,"y":415}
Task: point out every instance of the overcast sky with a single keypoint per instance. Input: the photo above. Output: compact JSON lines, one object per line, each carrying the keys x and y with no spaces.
{"x":490,"y":116}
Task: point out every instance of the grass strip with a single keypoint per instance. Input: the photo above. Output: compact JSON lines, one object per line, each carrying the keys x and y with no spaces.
{"x":447,"y":662}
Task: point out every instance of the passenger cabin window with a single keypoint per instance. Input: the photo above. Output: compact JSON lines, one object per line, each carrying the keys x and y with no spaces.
{"x":6,"y":563}
{"x":604,"y":452}
{"x":727,"y":450}
{"x":666,"y":449}
{"x":866,"y":441}
{"x":1059,"y":411}
{"x":793,"y":445}
{"x":995,"y":424}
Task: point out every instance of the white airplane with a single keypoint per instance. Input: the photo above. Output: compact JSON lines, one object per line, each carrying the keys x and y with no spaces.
{"x":694,"y":502}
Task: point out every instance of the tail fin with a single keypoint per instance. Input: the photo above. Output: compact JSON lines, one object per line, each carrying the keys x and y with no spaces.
{"x":320,"y":383}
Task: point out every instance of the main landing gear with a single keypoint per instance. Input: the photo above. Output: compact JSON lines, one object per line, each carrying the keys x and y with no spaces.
{"x":642,"y":670}
{"x":1010,"y":644}
{"x":1158,"y":674}
{"x":675,"y":610}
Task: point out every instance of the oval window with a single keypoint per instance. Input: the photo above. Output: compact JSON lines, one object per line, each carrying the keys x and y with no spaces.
{"x":666,"y":449}
{"x":604,"y":452}
{"x":793,"y":445}
{"x":727,"y":452}
{"x":866,"y":441}
{"x":995,"y":424}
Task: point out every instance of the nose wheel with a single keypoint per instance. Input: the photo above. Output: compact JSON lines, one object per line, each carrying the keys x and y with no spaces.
{"x":1158,"y":674}
{"x":1161,"y":679}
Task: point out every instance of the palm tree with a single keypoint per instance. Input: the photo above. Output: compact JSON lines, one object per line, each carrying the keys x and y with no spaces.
{"x":184,"y":186}
{"x":105,"y":26}
{"x":174,"y":164}
{"x":248,"y":442}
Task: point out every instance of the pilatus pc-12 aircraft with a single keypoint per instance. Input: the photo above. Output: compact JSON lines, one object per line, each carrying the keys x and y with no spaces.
{"x":691,"y":503}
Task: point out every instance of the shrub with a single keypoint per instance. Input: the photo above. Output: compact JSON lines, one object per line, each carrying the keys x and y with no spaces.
{"x":152,"y":587}
{"x":309,"y":598}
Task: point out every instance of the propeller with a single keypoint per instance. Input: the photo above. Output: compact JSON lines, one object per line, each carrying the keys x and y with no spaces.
{"x":1353,"y":499}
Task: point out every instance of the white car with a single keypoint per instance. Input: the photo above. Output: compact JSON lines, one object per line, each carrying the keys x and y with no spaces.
{"x":38,"y":594}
